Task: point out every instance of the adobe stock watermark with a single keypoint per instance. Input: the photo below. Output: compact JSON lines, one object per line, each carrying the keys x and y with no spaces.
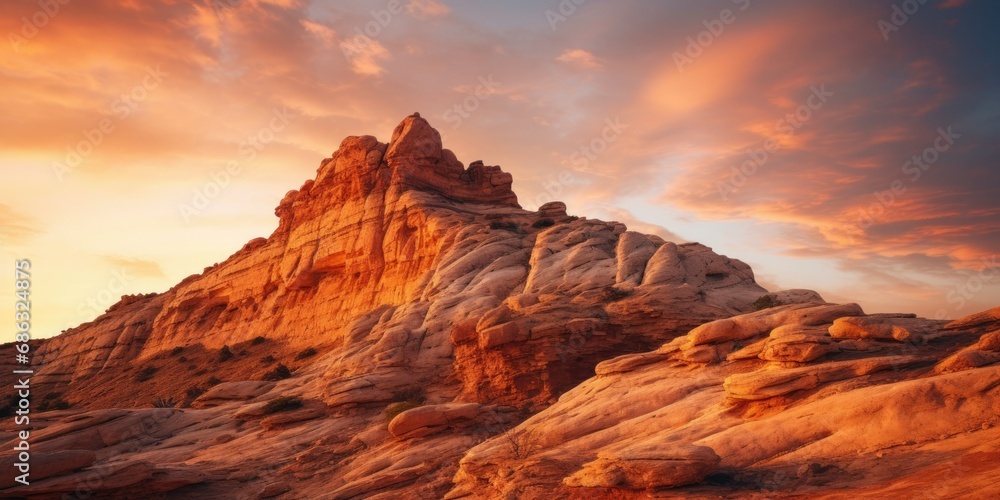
{"x":714,"y":28}
{"x":563,"y":11}
{"x":900,"y":15}
{"x":96,"y":304}
{"x":785,"y":127}
{"x":121,"y":108}
{"x":588,"y":152}
{"x":31,"y":26}
{"x":248,"y":150}
{"x":913,"y":169}
{"x":485,"y":89}
{"x":961,"y":293}
{"x":580,"y":161}
{"x":554,"y":187}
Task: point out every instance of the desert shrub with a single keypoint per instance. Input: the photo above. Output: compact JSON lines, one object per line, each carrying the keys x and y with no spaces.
{"x":279,"y":372}
{"x":543,"y":222}
{"x":214,"y":381}
{"x":521,"y":444}
{"x":258,"y":340}
{"x":412,"y":394}
{"x":267,"y":359}
{"x":406,"y":398}
{"x":611,"y":294}
{"x":182,"y":359}
{"x":395,"y":409}
{"x":305,"y":353}
{"x":145,"y":374}
{"x":177,"y":350}
{"x":194,"y":391}
{"x":225,"y":354}
{"x":283,"y":403}
{"x":765,"y":302}
{"x":164,"y":403}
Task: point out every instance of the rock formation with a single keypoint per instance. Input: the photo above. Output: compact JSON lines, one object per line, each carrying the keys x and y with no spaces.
{"x":409,"y":331}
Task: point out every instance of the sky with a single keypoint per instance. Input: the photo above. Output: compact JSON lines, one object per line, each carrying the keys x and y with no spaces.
{"x":844,"y":146}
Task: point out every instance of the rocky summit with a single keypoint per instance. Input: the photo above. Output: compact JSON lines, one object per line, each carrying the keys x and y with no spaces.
{"x":409,"y":331}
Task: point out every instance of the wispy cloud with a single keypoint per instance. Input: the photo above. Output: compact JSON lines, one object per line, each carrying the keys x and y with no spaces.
{"x":16,"y":228}
{"x":579,"y":58}
{"x":423,"y":9}
{"x":136,"y":267}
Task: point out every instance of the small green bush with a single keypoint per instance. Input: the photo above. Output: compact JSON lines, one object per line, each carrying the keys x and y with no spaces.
{"x":765,"y":302}
{"x":214,"y":381}
{"x":225,"y":354}
{"x":258,"y":340}
{"x":283,"y":403}
{"x":177,"y":350}
{"x":395,"y":409}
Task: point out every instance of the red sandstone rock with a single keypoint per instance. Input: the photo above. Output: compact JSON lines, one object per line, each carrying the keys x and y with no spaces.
{"x":398,"y":275}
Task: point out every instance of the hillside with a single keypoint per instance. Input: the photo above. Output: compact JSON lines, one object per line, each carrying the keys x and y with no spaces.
{"x":408,"y":330}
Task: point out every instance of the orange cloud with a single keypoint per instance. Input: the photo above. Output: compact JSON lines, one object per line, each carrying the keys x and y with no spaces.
{"x":227,"y":69}
{"x":579,"y":58}
{"x":423,"y":9}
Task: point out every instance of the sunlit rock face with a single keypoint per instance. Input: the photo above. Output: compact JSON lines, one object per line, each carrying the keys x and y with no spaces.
{"x":408,"y":331}
{"x":407,"y":262}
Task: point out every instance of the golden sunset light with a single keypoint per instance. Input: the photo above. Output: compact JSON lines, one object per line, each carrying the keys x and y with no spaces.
{"x":185,"y":177}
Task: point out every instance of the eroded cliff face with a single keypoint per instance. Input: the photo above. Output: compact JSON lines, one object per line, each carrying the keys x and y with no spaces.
{"x":415,"y":267}
{"x":409,"y":331}
{"x":806,"y":398}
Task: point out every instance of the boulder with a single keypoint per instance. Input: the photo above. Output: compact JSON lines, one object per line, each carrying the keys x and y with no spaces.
{"x":651,"y":465}
{"x":428,"y":419}
{"x":770,"y":383}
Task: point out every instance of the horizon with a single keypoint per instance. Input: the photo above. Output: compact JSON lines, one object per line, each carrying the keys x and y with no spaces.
{"x":143,"y":143}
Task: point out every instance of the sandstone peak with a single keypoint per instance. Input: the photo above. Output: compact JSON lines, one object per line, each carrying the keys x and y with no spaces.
{"x":414,"y":137}
{"x":409,"y":331}
{"x":412,"y":164}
